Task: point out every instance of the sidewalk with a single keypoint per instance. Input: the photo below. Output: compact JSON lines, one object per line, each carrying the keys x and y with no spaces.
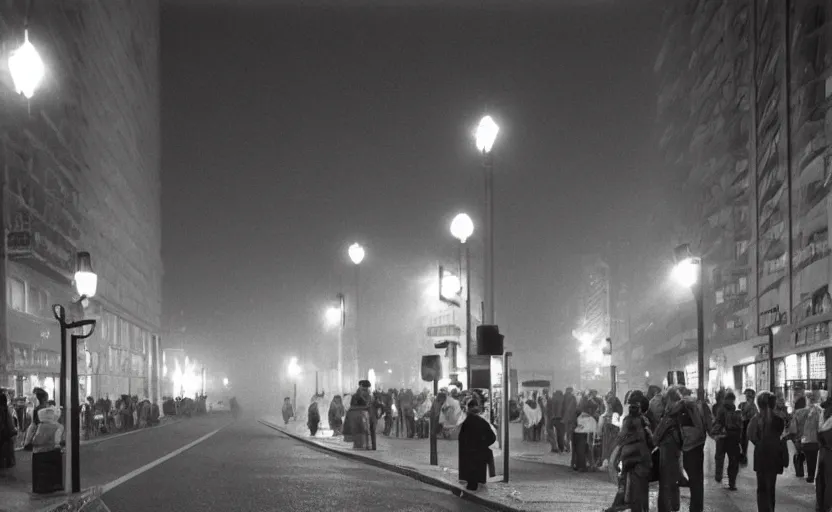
{"x":544,"y":482}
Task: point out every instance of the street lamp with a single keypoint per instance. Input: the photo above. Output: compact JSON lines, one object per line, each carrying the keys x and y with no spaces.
{"x":225,"y":381}
{"x":336,"y":316}
{"x":485,"y":136}
{"x":86,"y":283}
{"x":462,"y":227}
{"x":688,"y":272}
{"x":772,"y":377}
{"x":26,"y":67}
{"x":356,"y":253}
{"x":294,"y":372}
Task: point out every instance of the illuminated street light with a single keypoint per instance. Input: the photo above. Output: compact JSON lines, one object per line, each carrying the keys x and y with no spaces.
{"x":333,"y":316}
{"x":486,"y":134}
{"x":389,"y":370}
{"x":688,"y":272}
{"x":451,"y":286}
{"x":86,"y":281}
{"x":225,"y":381}
{"x":294,"y":371}
{"x":356,"y":253}
{"x":26,"y":67}
{"x":462,"y":227}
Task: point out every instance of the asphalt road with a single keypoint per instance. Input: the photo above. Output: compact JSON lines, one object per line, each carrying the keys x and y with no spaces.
{"x":249,"y":467}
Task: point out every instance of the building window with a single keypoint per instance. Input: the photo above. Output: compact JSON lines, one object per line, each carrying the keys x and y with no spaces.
{"x":17,"y":295}
{"x":817,"y":365}
{"x":743,"y":284}
{"x":38,"y":301}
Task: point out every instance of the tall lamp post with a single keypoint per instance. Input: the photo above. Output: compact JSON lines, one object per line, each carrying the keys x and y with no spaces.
{"x":772,"y":375}
{"x":689,"y":273}
{"x":462,"y":227}
{"x":485,"y":136}
{"x":337,"y":316}
{"x":356,"y":254}
{"x":294,"y":372}
{"x":27,"y":71}
{"x":86,"y":284}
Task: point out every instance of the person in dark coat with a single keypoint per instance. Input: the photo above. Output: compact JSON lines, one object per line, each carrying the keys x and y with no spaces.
{"x":727,"y":432}
{"x":7,"y":434}
{"x":569,"y":414}
{"x":475,"y":439}
{"x":764,"y":431}
{"x":554,"y":411}
{"x":313,"y":418}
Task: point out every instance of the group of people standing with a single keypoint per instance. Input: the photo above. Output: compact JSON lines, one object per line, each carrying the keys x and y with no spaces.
{"x":663,"y":436}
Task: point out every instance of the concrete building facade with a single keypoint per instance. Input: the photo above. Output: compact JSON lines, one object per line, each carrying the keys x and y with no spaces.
{"x":743,"y":107}
{"x":81,"y":162}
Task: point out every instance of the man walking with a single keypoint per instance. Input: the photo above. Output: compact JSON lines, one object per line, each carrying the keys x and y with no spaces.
{"x":569,"y":415}
{"x":748,"y":410}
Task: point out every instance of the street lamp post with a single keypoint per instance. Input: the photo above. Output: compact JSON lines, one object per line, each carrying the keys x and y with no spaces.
{"x":689,"y":273}
{"x":294,"y":372}
{"x":772,"y":376}
{"x":462,"y":227}
{"x":356,"y":253}
{"x":86,"y":284}
{"x":336,"y":316}
{"x":486,"y":134}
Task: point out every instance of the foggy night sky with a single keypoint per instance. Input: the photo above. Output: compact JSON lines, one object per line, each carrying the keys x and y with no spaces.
{"x":289,"y":132}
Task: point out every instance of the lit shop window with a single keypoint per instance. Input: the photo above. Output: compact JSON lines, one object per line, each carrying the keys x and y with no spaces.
{"x":17,"y":295}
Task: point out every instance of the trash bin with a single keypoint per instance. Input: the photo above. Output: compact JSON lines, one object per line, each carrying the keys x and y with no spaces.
{"x":47,"y":472}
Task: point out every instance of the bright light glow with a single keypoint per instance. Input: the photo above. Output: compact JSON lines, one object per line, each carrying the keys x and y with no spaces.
{"x":371,"y":376}
{"x":646,"y":374}
{"x":187,"y":381}
{"x":356,"y":253}
{"x":26,"y":68}
{"x":294,"y":367}
{"x":225,"y":381}
{"x":333,"y":316}
{"x":597,"y":372}
{"x":775,"y":329}
{"x":451,"y":285}
{"x":86,"y":283}
{"x":486,"y":134}
{"x":389,"y":370}
{"x":686,"y":272}
{"x":462,"y":227}
{"x":585,"y":339}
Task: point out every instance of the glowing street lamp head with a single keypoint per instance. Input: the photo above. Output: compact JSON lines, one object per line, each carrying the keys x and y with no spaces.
{"x":225,"y":381}
{"x":686,"y":272}
{"x":294,"y":367}
{"x":451,"y":285}
{"x":486,"y":134}
{"x":26,"y":68}
{"x":462,"y":227}
{"x":86,"y":281}
{"x":356,"y":253}
{"x":333,"y":316}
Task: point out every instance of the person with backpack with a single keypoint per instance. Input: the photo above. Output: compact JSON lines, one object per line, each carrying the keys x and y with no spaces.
{"x":770,"y":452}
{"x":694,"y":422}
{"x":727,"y":431}
{"x":803,"y":430}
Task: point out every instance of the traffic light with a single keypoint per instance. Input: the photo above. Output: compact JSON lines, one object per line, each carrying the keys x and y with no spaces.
{"x":607,"y":349}
{"x":489,"y":340}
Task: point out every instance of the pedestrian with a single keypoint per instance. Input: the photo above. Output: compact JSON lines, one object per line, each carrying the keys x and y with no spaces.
{"x":313,"y":418}
{"x":690,"y":415}
{"x":803,"y":430}
{"x":823,"y":478}
{"x":727,"y":431}
{"x":475,"y":439}
{"x":583,"y":436}
{"x":287,"y":410}
{"x":668,"y":437}
{"x":764,"y":431}
{"x":609,"y":427}
{"x":8,"y":432}
{"x":555,"y":412}
{"x":633,"y":446}
{"x":569,"y":415}
{"x":748,"y":410}
{"x":336,"y":415}
{"x":46,"y":459}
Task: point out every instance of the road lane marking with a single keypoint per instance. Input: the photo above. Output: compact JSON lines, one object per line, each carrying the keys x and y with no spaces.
{"x":150,"y":465}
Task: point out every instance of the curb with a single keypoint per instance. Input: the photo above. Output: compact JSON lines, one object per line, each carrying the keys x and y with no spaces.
{"x":412,"y":473}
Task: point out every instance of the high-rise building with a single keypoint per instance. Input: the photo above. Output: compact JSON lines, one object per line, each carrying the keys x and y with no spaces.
{"x":81,"y":160}
{"x":593,"y":324}
{"x":745,"y":128}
